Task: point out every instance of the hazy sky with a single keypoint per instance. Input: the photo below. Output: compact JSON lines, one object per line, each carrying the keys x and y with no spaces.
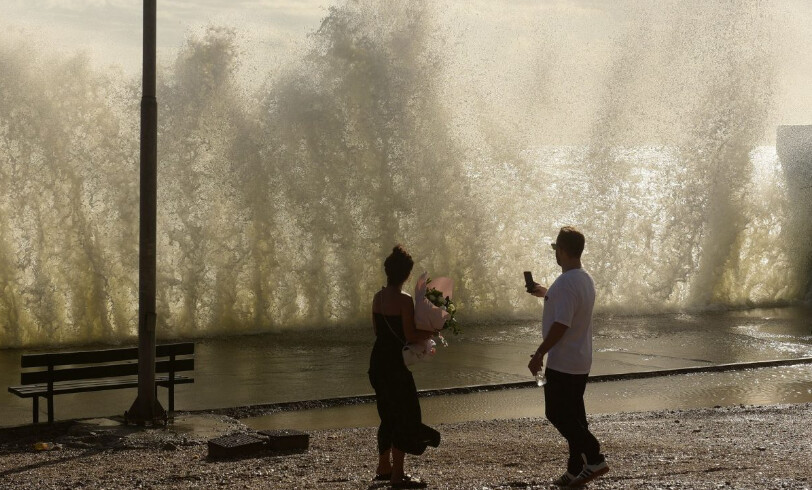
{"x":109,"y":31}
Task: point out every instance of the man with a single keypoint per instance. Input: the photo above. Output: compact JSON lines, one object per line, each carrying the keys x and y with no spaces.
{"x":567,"y":329}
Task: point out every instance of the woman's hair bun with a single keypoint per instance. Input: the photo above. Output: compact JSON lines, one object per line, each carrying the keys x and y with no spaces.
{"x":398,"y":265}
{"x":399,"y":250}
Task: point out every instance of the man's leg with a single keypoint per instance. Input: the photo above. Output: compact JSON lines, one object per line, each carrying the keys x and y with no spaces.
{"x":564,"y":407}
{"x":581,"y":440}
{"x":588,"y":443}
{"x":558,"y":408}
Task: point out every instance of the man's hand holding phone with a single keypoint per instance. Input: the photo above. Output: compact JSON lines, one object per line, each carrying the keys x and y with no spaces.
{"x":533,"y":287}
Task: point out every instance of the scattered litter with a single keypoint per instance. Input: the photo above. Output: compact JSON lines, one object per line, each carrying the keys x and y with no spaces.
{"x":46,"y":446}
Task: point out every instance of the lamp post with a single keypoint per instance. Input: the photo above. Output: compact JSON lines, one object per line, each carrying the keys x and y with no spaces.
{"x":146,"y":407}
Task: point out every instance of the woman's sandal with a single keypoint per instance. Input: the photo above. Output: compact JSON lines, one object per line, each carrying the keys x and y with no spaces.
{"x":407,"y":482}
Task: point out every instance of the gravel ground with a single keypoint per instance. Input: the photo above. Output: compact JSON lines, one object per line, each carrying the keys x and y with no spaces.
{"x":733,"y":447}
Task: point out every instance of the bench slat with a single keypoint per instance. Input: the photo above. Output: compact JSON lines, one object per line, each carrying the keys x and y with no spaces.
{"x":102,"y":356}
{"x":84,"y":357}
{"x":109,"y":371}
{"x":28,"y":391}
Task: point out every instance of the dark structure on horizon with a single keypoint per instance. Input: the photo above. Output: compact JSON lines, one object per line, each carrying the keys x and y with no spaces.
{"x":794,"y":147}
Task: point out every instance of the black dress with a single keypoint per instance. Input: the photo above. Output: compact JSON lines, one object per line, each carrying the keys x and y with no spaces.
{"x":395,"y":392}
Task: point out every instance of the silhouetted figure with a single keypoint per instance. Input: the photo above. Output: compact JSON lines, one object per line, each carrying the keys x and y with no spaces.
{"x":567,"y":330}
{"x":401,"y":430}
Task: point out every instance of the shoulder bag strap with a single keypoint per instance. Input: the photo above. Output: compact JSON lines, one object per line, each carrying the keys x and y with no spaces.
{"x":387,"y":321}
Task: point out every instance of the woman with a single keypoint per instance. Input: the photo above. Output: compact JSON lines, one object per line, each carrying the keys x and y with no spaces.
{"x":401,"y":430}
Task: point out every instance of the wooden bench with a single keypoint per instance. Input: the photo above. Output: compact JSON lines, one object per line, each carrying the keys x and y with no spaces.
{"x":46,"y":375}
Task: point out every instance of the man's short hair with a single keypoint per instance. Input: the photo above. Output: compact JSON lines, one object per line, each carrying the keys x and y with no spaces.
{"x":571,"y":241}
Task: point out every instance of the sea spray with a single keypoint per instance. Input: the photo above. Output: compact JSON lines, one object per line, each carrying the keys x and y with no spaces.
{"x":278,"y":203}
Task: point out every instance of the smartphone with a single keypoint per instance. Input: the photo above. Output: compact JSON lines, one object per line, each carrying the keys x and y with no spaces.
{"x":529,"y":283}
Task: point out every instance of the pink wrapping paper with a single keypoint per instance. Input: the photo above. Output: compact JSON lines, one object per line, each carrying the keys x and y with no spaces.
{"x":426,"y":315}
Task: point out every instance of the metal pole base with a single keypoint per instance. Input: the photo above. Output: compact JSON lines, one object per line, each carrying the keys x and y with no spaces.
{"x":136,"y":414}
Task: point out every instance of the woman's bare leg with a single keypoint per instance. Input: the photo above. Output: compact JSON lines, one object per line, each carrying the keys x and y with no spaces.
{"x":384,"y":463}
{"x":397,"y":464}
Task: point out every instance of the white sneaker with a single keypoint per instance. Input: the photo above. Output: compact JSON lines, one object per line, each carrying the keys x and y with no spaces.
{"x":564,"y":480}
{"x":589,"y":473}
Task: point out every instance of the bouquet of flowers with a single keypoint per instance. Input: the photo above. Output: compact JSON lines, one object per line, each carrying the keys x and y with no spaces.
{"x":433,"y":309}
{"x":435,"y":296}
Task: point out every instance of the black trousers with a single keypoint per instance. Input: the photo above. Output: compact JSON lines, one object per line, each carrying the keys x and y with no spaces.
{"x":564,"y":408}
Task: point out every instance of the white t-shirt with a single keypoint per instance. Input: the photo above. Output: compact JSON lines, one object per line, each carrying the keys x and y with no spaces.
{"x":569,"y":301}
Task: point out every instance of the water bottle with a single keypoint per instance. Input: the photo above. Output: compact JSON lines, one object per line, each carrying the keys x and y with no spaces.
{"x":541,"y":380}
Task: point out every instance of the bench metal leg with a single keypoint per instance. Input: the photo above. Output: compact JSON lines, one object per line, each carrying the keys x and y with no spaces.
{"x":171,"y":384}
{"x":50,"y":394}
{"x":156,"y":392}
{"x":36,"y":409}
